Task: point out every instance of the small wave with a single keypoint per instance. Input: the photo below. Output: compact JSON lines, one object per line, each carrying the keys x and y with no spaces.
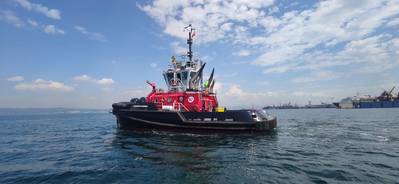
{"x":382,"y":138}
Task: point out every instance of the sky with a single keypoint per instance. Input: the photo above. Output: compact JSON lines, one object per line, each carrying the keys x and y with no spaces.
{"x":90,"y":54}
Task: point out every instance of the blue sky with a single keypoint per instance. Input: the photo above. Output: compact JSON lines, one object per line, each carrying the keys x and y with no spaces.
{"x":93,"y":53}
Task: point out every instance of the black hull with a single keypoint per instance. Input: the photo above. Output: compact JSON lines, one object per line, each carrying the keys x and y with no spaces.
{"x":190,"y":122}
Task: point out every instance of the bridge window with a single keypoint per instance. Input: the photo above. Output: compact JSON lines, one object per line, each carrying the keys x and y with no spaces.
{"x":184,"y":77}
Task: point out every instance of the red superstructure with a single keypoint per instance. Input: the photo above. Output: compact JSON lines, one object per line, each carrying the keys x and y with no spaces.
{"x":186,"y":89}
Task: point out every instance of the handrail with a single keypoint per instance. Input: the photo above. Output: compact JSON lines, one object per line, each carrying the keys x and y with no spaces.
{"x":174,"y":105}
{"x":185,"y":108}
{"x":179,"y":105}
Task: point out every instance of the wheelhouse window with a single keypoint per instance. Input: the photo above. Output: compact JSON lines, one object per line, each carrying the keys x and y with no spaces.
{"x":184,"y":77}
{"x":168,"y":78}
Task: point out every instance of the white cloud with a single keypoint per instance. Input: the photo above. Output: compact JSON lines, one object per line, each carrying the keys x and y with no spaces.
{"x":11,"y":18}
{"x":105,"y":81}
{"x":372,"y":54}
{"x":15,"y":79}
{"x":316,"y":76}
{"x":393,"y":22}
{"x":91,"y":35}
{"x":83,"y":78}
{"x":234,"y":90}
{"x":51,"y":13}
{"x":318,"y":36}
{"x":33,"y":23}
{"x":86,"y":78}
{"x":243,"y":53}
{"x":43,"y":85}
{"x":236,"y":97}
{"x":52,"y":30}
{"x":153,"y":65}
{"x":279,"y":69}
{"x":330,"y":23}
{"x":212,"y":19}
{"x":177,"y":48}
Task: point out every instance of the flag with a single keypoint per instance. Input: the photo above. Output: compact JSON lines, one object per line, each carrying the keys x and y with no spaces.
{"x":188,"y":28}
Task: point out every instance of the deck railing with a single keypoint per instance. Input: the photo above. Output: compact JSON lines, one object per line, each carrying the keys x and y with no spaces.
{"x":177,"y":106}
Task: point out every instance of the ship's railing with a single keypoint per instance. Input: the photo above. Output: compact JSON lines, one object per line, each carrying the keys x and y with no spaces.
{"x":180,"y":105}
{"x":176,"y":106}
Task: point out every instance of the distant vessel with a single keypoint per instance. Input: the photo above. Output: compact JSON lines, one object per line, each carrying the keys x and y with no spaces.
{"x":189,"y":104}
{"x":385,"y":100}
{"x":322,"y":105}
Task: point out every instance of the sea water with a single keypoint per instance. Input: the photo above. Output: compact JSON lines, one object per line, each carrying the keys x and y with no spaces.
{"x":309,"y":146}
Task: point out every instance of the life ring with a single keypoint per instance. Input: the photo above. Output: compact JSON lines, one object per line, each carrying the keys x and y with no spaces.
{"x":190,"y":99}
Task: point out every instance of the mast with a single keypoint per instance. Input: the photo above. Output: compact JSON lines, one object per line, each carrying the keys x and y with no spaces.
{"x":190,"y":42}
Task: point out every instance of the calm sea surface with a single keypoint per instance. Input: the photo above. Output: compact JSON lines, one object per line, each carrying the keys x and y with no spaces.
{"x":309,"y":146}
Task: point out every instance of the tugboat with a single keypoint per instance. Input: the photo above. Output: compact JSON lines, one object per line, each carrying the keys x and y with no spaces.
{"x":189,"y":104}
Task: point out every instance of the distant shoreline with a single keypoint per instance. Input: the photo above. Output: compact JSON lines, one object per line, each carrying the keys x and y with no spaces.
{"x":48,"y":111}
